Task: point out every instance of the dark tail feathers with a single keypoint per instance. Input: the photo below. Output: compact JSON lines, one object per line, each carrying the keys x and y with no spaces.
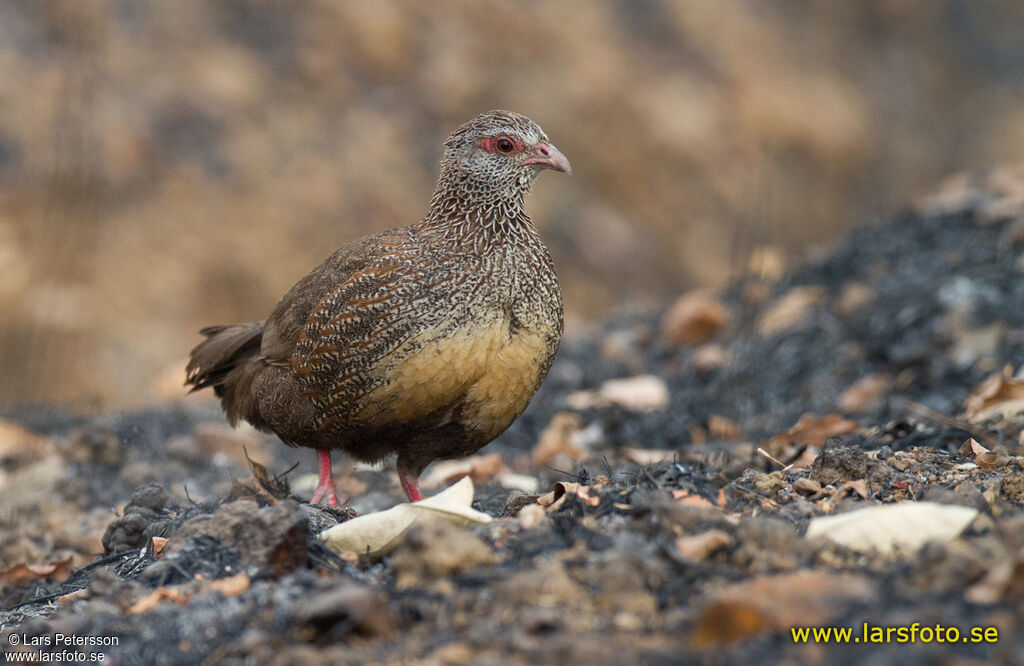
{"x":226,"y":361}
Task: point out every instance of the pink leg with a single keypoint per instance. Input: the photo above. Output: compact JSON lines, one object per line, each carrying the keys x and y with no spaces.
{"x":325,"y":487}
{"x":410,"y":485}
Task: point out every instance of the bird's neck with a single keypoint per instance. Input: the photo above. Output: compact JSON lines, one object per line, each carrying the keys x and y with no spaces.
{"x":462,"y":215}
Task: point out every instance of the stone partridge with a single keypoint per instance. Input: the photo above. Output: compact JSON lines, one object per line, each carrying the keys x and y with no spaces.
{"x":426,"y":341}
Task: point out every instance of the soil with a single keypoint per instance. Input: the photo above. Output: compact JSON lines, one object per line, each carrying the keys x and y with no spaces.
{"x":853,"y":373}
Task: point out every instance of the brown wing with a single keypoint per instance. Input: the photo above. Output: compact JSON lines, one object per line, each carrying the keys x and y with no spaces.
{"x":334,"y":328}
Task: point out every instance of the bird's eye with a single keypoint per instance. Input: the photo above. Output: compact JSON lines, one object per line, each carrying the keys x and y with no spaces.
{"x":504,"y":146}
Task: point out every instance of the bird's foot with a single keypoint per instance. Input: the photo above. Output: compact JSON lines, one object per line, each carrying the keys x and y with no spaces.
{"x":323,"y":493}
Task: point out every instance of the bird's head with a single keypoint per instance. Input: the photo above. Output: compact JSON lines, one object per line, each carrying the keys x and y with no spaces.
{"x":498,"y":154}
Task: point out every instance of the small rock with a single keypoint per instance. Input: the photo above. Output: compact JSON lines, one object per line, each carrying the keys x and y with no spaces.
{"x":532,"y":515}
{"x":853,"y":297}
{"x":694,"y":319}
{"x":559,"y":437}
{"x":697,"y":548}
{"x":454,"y":654}
{"x":790,"y":309}
{"x":806,"y":487}
{"x":644,"y":393}
{"x":19,"y":445}
{"x":437,"y":550}
{"x":711,"y":356}
{"x":274,"y":540}
{"x":355,"y":608}
{"x":218,"y":438}
{"x":838,"y":464}
{"x":94,"y":445}
{"x":143,"y":519}
{"x":776,"y":603}
{"x":864,"y":394}
{"x":769,"y":484}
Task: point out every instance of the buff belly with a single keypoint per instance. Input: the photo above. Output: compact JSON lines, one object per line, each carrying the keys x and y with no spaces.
{"x":484,"y":374}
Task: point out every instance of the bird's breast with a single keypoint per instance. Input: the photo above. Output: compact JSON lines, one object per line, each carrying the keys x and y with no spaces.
{"x":485,"y":372}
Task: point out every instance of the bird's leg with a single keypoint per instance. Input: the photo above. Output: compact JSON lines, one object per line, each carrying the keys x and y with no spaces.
{"x":325,"y":486}
{"x":411,"y":487}
{"x":409,"y":478}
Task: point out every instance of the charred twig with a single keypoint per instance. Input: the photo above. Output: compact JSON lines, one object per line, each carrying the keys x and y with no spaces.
{"x":650,"y":477}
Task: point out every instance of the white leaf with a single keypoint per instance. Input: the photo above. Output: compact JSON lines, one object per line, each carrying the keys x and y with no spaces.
{"x":902,"y":527}
{"x":377,"y":534}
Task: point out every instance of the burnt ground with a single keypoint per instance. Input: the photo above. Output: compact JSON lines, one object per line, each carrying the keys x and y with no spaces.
{"x":682,"y":543}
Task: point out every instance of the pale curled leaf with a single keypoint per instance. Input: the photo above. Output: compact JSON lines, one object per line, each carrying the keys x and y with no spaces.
{"x":377,"y":534}
{"x":997,"y":396}
{"x":556,"y":498}
{"x":903,"y":527}
{"x":984,"y":458}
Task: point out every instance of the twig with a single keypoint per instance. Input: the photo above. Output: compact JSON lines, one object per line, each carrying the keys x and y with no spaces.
{"x":784,"y":466}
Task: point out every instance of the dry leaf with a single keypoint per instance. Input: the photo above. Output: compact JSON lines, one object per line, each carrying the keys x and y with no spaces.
{"x":559,"y":438}
{"x":955,"y":194}
{"x":560,"y":489}
{"x":158,"y":544}
{"x":644,"y":393}
{"x":853,"y":297}
{"x":695,"y":318}
{"x":902,"y":527}
{"x":523,"y":482}
{"x":152,"y":601}
{"x":798,"y":446}
{"x":723,"y":429}
{"x":813,"y":431}
{"x":698,"y":547}
{"x":231,"y":586}
{"x":775,"y":603}
{"x":767,"y":262}
{"x":999,"y":582}
{"x":648,"y":456}
{"x":556,"y":498}
{"x":790,"y":309}
{"x":865,"y":393}
{"x":998,"y":395}
{"x":73,"y":596}
{"x":481,"y":469}
{"x":858,"y":487}
{"x":984,"y":458}
{"x":19,"y":445}
{"x":686,"y":498}
{"x":23,"y":574}
{"x":377,"y":534}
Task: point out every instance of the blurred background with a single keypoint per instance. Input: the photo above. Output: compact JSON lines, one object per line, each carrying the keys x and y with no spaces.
{"x":169,"y":165}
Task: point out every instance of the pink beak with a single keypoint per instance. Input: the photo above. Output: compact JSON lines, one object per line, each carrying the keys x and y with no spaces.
{"x":546,"y":156}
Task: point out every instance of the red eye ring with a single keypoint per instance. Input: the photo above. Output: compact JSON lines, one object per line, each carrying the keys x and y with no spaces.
{"x":504,"y":145}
